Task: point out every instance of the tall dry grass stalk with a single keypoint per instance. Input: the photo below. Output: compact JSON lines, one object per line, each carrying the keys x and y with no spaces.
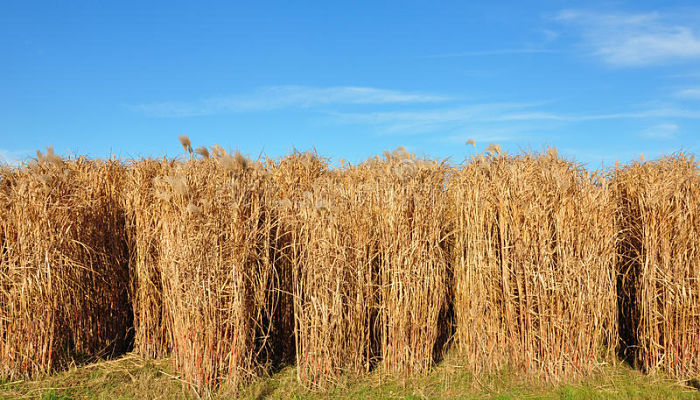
{"x":412,"y":226}
{"x":325,"y":244}
{"x":143,"y":207}
{"x":533,"y":262}
{"x":291,"y":177}
{"x":333,"y":276}
{"x":63,"y":267}
{"x":217,"y":262}
{"x":367,"y":248}
{"x":658,"y":217}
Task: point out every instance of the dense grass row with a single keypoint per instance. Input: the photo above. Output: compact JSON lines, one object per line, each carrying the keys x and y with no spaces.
{"x":234,"y":266}
{"x":533,"y":265}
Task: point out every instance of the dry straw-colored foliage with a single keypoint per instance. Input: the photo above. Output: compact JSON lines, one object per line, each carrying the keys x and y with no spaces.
{"x":533,"y":261}
{"x":366,"y":246}
{"x":412,"y":223}
{"x":658,"y":218}
{"x":143,"y":208}
{"x":232,"y":266}
{"x":217,"y":260}
{"x":63,"y":270}
{"x":332,"y":275}
{"x":327,"y":298}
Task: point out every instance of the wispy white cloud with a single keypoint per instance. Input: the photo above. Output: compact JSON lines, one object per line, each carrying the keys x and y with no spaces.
{"x":668,"y":112}
{"x":633,"y":40}
{"x":689,"y":93}
{"x":684,"y":75}
{"x":491,"y":52}
{"x":278,"y":97}
{"x":9,"y":157}
{"x":461,"y":113}
{"x":419,"y":121}
{"x":660,"y":131}
{"x":499,"y":113}
{"x":482,"y":137}
{"x":549,"y":35}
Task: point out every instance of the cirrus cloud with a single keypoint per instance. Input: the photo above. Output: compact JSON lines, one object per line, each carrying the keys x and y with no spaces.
{"x":279,"y":97}
{"x":660,"y":131}
{"x":635,"y":39}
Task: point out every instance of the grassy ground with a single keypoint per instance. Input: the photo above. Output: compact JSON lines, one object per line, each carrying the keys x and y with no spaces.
{"x":132,"y":377}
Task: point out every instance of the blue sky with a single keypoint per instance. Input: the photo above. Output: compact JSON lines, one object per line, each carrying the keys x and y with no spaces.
{"x":600,"y":82}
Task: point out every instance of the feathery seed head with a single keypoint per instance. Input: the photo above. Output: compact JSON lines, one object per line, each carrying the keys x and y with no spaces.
{"x":164,"y":196}
{"x":308,"y":196}
{"x":178,"y":185}
{"x":237,"y":162}
{"x":322,"y":205}
{"x":193,"y":209}
{"x":227,"y":162}
{"x":45,"y":179}
{"x":53,"y":157}
{"x":218,"y":151}
{"x":202,"y":151}
{"x":186,"y":144}
{"x":493,"y":149}
{"x":283,"y":204}
{"x":241,"y":161}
